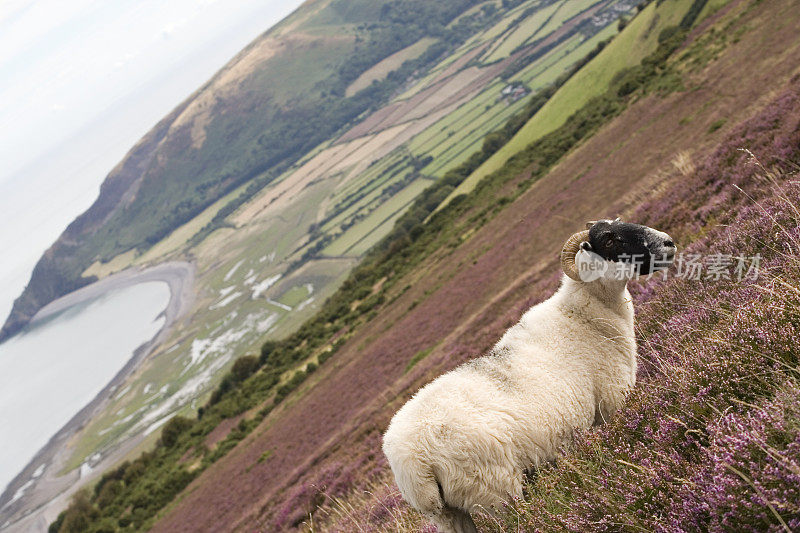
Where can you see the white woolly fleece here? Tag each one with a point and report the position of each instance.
(465, 439)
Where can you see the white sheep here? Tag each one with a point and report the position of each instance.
(465, 440)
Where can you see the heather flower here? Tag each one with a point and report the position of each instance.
(709, 440)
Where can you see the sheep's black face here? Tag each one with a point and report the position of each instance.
(646, 249)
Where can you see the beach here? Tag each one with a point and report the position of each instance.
(46, 492)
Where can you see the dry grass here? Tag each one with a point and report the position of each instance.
(118, 263)
(380, 498)
(683, 163)
(295, 181)
(197, 114)
(393, 62)
(352, 157)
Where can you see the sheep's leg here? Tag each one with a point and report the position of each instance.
(599, 417)
(609, 404)
(453, 520)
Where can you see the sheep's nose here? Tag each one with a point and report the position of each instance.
(669, 244)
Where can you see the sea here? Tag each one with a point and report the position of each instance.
(56, 366)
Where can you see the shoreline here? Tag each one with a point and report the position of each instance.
(45, 495)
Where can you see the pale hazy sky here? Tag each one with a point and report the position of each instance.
(80, 82)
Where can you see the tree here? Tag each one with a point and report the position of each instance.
(79, 515)
(173, 430)
(266, 350)
(244, 367)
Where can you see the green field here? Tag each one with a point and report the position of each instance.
(393, 62)
(566, 10)
(483, 37)
(367, 187)
(393, 207)
(576, 50)
(296, 295)
(375, 173)
(521, 34)
(372, 193)
(473, 140)
(374, 237)
(639, 39)
(453, 139)
(465, 121)
(498, 29)
(427, 141)
(561, 52)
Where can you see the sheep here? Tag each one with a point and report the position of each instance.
(466, 440)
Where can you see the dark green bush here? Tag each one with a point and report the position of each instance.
(244, 367)
(108, 493)
(174, 429)
(79, 515)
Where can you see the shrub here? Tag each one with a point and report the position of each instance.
(174, 429)
(717, 124)
(79, 515)
(419, 356)
(108, 493)
(266, 351)
(244, 367)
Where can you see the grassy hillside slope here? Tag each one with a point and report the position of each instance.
(708, 440)
(459, 302)
(271, 250)
(298, 438)
(294, 438)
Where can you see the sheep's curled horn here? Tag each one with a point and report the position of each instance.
(572, 247)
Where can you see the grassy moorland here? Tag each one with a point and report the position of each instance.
(260, 246)
(299, 429)
(710, 438)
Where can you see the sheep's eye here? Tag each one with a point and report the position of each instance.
(609, 241)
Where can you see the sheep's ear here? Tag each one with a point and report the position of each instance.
(586, 246)
(590, 224)
(616, 219)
